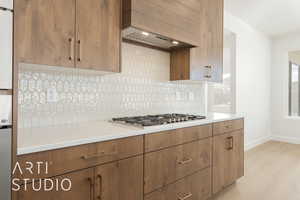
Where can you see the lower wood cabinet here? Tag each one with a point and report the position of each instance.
(198, 163)
(81, 188)
(168, 165)
(120, 180)
(194, 187)
(228, 159)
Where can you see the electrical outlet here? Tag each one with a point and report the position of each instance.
(52, 95)
(191, 96)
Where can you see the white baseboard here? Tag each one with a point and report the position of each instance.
(257, 142)
(292, 140)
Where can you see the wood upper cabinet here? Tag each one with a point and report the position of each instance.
(228, 159)
(207, 59)
(205, 62)
(121, 180)
(98, 28)
(70, 33)
(81, 188)
(45, 31)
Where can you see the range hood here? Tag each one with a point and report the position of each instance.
(153, 39)
(162, 24)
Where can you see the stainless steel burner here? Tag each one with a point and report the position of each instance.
(153, 120)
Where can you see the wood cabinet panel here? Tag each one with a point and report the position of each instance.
(74, 158)
(227, 126)
(168, 165)
(228, 159)
(121, 180)
(204, 62)
(210, 52)
(174, 19)
(45, 31)
(117, 149)
(81, 188)
(166, 139)
(98, 42)
(194, 187)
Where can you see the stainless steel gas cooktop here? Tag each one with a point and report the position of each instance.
(154, 120)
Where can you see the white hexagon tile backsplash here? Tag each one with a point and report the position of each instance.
(51, 96)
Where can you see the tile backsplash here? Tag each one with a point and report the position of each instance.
(51, 96)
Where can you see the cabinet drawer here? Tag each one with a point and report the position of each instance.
(168, 165)
(194, 187)
(73, 158)
(227, 126)
(165, 139)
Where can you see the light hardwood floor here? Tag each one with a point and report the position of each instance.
(272, 172)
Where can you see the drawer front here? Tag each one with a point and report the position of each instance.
(116, 150)
(166, 139)
(227, 126)
(168, 165)
(74, 158)
(194, 187)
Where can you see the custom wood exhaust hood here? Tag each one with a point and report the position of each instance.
(166, 24)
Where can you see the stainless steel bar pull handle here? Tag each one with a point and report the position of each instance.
(187, 196)
(230, 141)
(186, 161)
(71, 41)
(79, 51)
(99, 196)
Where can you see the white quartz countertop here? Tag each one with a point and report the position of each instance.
(32, 140)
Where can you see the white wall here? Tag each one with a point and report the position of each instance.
(284, 128)
(253, 54)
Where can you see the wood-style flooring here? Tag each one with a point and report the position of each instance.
(272, 172)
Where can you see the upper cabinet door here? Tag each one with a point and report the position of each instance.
(207, 59)
(45, 32)
(98, 34)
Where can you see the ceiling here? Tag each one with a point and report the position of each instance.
(273, 17)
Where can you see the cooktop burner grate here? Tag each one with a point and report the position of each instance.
(153, 120)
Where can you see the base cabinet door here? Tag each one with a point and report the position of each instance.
(228, 159)
(81, 187)
(121, 180)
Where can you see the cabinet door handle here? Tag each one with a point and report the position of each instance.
(91, 181)
(71, 41)
(207, 76)
(228, 126)
(183, 162)
(99, 177)
(99, 155)
(187, 196)
(79, 51)
(230, 140)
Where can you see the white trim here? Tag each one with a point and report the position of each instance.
(292, 140)
(254, 143)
